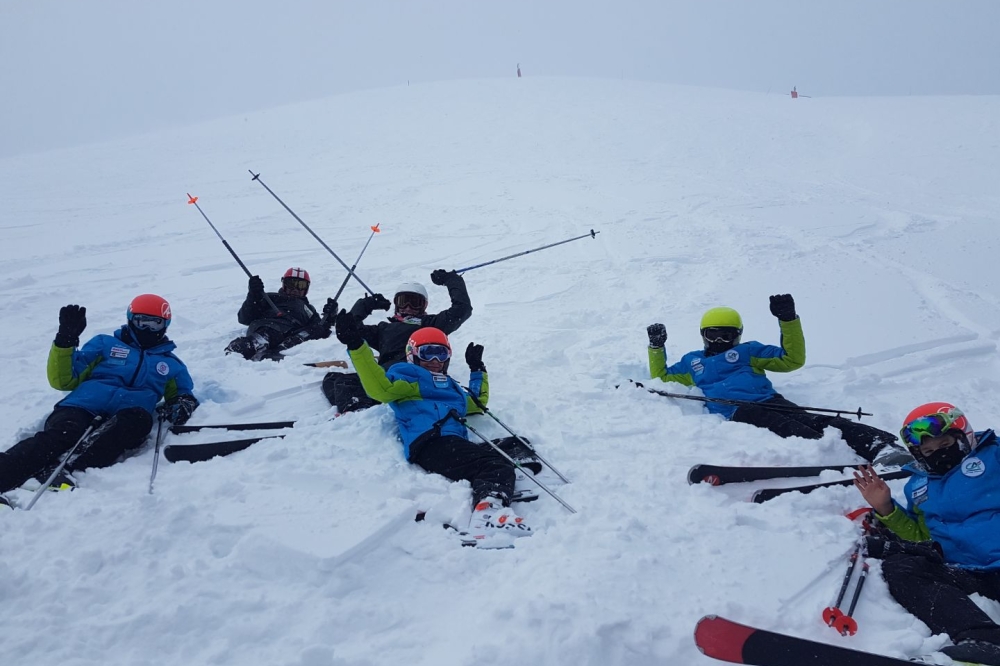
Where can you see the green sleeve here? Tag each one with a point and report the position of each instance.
(904, 526)
(483, 395)
(792, 353)
(658, 368)
(376, 384)
(60, 369)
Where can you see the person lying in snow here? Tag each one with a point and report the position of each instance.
(948, 544)
(389, 337)
(269, 332)
(422, 396)
(729, 369)
(123, 375)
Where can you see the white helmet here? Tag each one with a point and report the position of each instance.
(412, 296)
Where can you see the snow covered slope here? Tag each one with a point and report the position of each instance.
(877, 214)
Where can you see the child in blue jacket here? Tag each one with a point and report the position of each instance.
(423, 398)
(729, 369)
(948, 530)
(123, 375)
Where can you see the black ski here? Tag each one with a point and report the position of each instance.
(201, 452)
(271, 425)
(718, 475)
(766, 494)
(736, 643)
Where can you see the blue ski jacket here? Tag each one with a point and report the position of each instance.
(960, 510)
(737, 374)
(111, 373)
(418, 397)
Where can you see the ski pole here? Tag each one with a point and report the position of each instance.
(742, 403)
(156, 451)
(194, 200)
(350, 271)
(832, 613)
(527, 473)
(489, 413)
(592, 234)
(256, 177)
(846, 624)
(96, 428)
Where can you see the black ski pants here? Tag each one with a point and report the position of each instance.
(41, 453)
(938, 595)
(459, 459)
(345, 392)
(864, 439)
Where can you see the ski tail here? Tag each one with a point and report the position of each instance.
(737, 643)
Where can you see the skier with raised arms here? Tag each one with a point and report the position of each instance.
(729, 369)
(123, 375)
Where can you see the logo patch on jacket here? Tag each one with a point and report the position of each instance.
(163, 368)
(973, 467)
(732, 356)
(696, 366)
(919, 493)
(440, 380)
(120, 352)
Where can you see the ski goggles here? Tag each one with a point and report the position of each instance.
(406, 299)
(145, 322)
(932, 425)
(433, 353)
(295, 284)
(721, 334)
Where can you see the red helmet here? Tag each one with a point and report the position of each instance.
(297, 273)
(933, 420)
(295, 282)
(151, 305)
(425, 337)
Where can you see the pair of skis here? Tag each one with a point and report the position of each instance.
(206, 451)
(721, 474)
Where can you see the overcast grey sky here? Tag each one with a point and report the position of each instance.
(75, 71)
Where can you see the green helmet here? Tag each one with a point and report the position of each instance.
(726, 317)
(721, 329)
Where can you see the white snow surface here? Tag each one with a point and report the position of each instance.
(877, 214)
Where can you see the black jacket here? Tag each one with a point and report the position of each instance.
(389, 337)
(296, 314)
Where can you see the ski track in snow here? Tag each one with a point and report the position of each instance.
(874, 213)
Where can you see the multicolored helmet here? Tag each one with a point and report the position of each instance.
(933, 420)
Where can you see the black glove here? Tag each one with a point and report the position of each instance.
(329, 313)
(72, 321)
(441, 276)
(256, 287)
(178, 410)
(880, 548)
(348, 330)
(375, 302)
(783, 307)
(474, 357)
(657, 335)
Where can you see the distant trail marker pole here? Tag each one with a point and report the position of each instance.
(194, 201)
(256, 177)
(592, 234)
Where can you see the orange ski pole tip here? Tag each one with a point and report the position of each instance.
(192, 199)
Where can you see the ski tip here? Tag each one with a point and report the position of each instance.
(720, 638)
